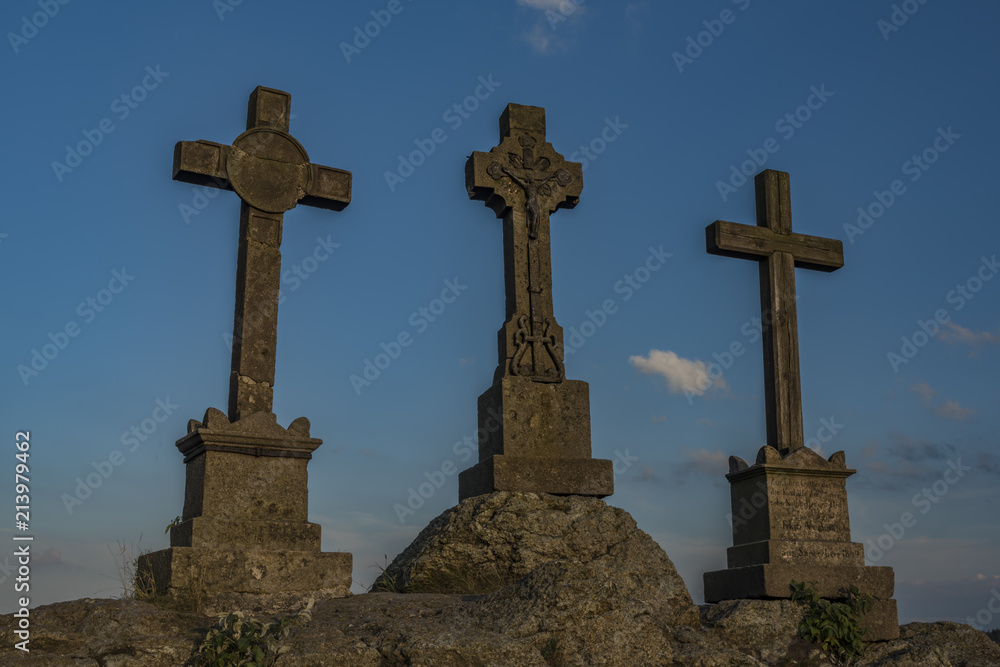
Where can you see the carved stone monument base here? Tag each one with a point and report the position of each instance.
(215, 574)
(535, 436)
(790, 523)
(245, 538)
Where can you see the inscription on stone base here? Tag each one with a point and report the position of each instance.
(790, 523)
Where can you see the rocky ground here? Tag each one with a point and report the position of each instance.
(547, 581)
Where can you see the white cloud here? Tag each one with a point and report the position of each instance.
(539, 38)
(680, 374)
(551, 30)
(961, 336)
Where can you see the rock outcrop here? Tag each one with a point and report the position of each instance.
(504, 580)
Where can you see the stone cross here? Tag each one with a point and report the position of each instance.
(271, 173)
(523, 179)
(779, 251)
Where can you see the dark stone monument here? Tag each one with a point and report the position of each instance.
(790, 518)
(245, 538)
(536, 422)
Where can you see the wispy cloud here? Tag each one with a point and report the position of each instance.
(950, 409)
(681, 375)
(923, 390)
(555, 21)
(702, 462)
(550, 5)
(904, 461)
(959, 335)
(918, 450)
(48, 557)
(539, 38)
(646, 474)
(635, 14)
(989, 462)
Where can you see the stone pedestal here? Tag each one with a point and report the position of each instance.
(535, 437)
(244, 538)
(790, 522)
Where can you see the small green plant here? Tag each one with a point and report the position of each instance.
(384, 582)
(238, 641)
(464, 580)
(834, 626)
(175, 522)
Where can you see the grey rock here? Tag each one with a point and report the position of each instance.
(103, 632)
(933, 644)
(490, 541)
(551, 617)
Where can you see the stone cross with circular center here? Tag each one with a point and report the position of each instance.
(523, 180)
(271, 173)
(779, 252)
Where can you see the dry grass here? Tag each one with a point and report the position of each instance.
(135, 585)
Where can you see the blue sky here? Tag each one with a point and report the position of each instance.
(866, 106)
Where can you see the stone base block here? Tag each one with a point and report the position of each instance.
(215, 533)
(248, 470)
(518, 417)
(772, 581)
(211, 574)
(558, 476)
(816, 552)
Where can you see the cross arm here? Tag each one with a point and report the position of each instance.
(731, 239)
(201, 163)
(481, 185)
(328, 188)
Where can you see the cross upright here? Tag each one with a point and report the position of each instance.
(271, 173)
(779, 251)
(523, 179)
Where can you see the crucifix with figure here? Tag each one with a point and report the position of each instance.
(271, 173)
(779, 251)
(536, 423)
(523, 180)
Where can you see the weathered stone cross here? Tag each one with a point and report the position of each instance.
(271, 173)
(779, 251)
(523, 179)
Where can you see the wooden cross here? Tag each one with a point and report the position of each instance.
(271, 173)
(779, 251)
(523, 179)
